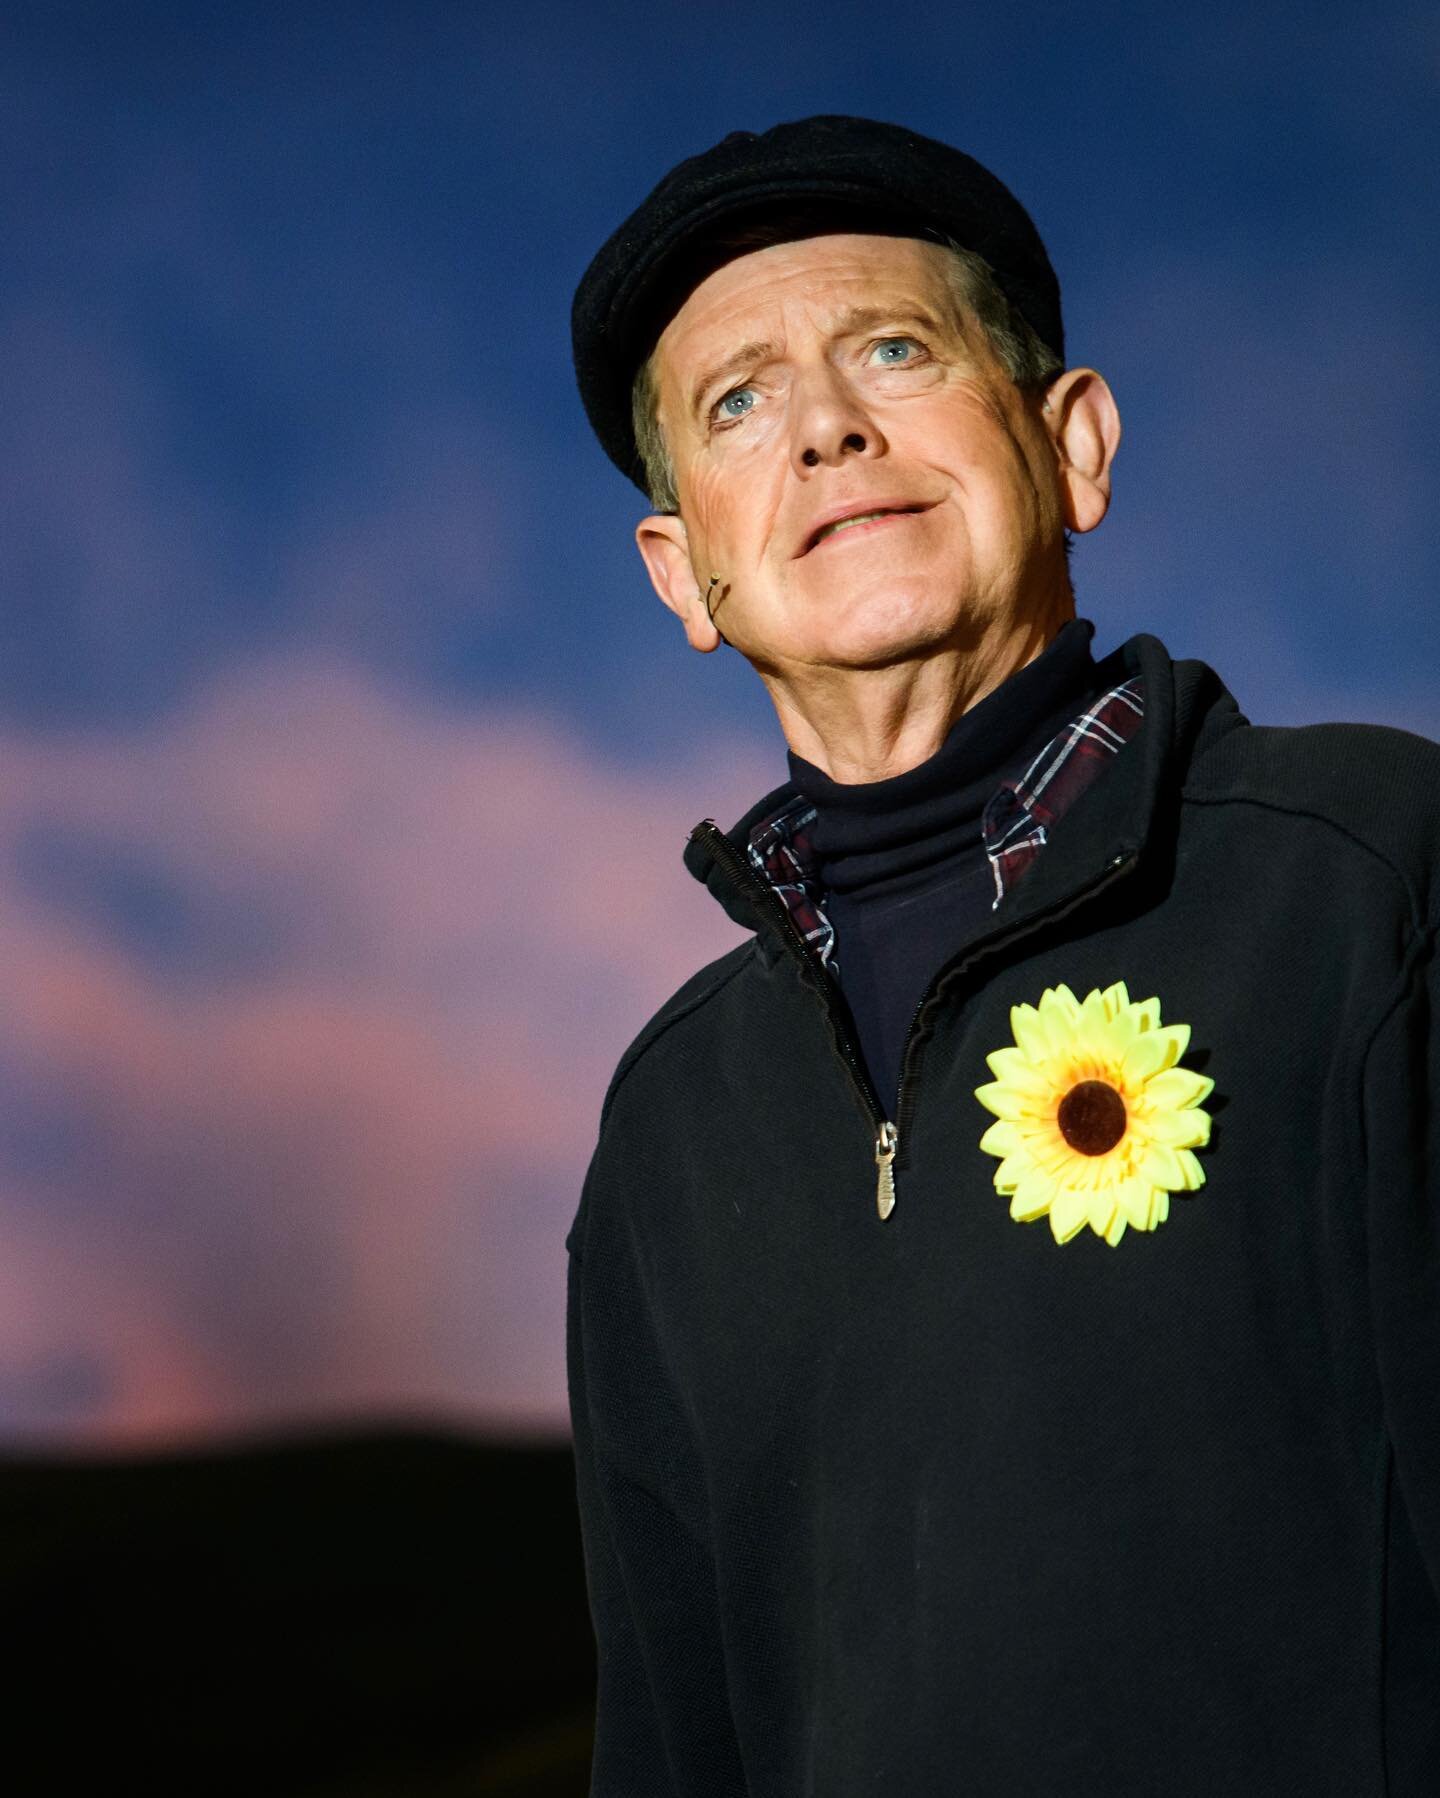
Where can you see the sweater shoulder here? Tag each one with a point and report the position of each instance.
(683, 1006)
(1375, 784)
(686, 1009)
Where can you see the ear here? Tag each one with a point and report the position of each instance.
(664, 545)
(1084, 421)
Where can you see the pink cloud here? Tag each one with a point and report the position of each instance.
(324, 1160)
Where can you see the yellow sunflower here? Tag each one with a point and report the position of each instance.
(1097, 1125)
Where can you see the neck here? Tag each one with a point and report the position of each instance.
(867, 724)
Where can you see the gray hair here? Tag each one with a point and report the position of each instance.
(1030, 364)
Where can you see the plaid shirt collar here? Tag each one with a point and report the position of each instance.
(1014, 827)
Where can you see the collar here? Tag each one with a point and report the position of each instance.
(1184, 706)
(880, 830)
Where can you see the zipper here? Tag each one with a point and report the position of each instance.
(738, 866)
(885, 1143)
(887, 1134)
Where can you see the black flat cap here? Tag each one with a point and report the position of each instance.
(845, 173)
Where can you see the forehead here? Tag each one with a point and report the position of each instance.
(811, 281)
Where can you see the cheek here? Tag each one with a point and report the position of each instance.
(1000, 477)
(727, 510)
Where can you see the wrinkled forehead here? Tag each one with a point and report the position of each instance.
(827, 284)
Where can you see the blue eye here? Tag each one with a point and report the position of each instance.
(729, 406)
(905, 344)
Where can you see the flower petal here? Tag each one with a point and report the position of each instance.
(1011, 1068)
(1110, 1042)
(1178, 1087)
(1093, 1015)
(1162, 1166)
(1002, 1138)
(1053, 1155)
(1154, 1050)
(1116, 1228)
(1000, 1098)
(1029, 1032)
(1061, 1000)
(1186, 1129)
(1067, 1213)
(1033, 1198)
(1013, 1169)
(1143, 1059)
(1132, 1196)
(1194, 1173)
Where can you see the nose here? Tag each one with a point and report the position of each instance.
(830, 423)
(812, 458)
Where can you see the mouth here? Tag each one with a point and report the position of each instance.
(855, 521)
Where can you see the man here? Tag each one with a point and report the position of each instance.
(1004, 1324)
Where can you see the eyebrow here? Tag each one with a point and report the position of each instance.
(857, 318)
(747, 356)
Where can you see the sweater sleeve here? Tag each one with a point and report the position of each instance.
(1402, 1136)
(663, 1722)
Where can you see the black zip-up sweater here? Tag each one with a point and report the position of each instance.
(943, 1505)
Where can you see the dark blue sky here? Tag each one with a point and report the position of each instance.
(280, 276)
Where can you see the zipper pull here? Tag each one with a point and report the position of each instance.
(885, 1143)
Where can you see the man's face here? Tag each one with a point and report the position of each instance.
(828, 377)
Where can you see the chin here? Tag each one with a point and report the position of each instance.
(890, 624)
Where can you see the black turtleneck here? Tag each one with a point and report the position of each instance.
(907, 882)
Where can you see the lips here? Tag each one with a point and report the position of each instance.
(850, 516)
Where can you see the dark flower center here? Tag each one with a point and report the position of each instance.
(1092, 1117)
